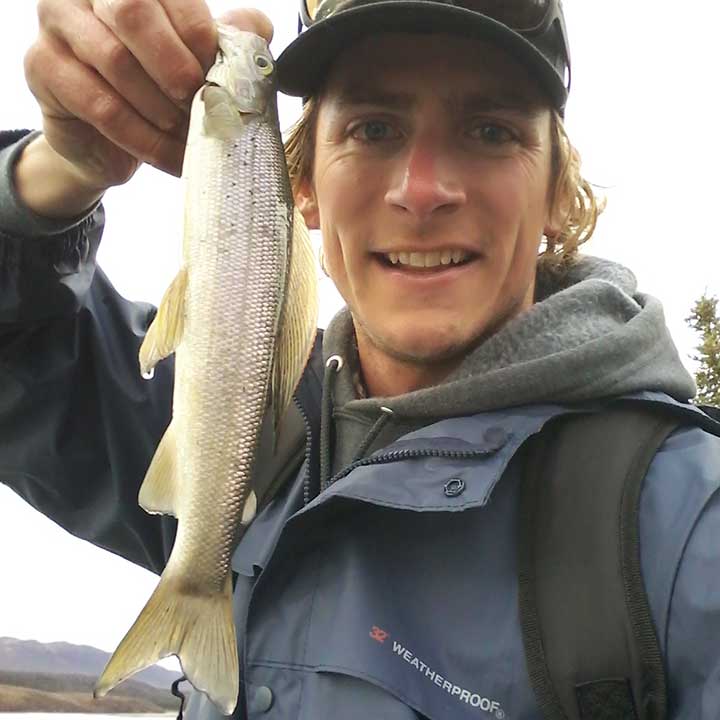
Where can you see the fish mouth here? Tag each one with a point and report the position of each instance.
(245, 101)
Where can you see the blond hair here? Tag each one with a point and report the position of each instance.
(570, 193)
(573, 196)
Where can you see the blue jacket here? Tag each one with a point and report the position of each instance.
(382, 597)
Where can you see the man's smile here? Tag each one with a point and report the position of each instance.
(427, 259)
(425, 265)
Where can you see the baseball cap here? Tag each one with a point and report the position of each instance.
(533, 31)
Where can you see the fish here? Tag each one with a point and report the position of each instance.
(241, 317)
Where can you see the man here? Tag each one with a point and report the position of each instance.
(378, 580)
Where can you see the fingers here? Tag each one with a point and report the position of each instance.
(97, 47)
(66, 88)
(250, 20)
(127, 69)
(145, 29)
(195, 27)
(175, 41)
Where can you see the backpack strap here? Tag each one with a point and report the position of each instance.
(590, 643)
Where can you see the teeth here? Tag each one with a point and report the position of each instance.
(432, 259)
(417, 259)
(429, 259)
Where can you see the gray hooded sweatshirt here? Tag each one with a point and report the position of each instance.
(589, 335)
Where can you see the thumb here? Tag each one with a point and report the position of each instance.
(249, 20)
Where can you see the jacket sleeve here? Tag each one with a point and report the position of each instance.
(693, 639)
(78, 424)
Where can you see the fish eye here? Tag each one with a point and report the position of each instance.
(264, 64)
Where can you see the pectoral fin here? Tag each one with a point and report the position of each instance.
(298, 320)
(166, 330)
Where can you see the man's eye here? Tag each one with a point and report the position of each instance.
(492, 134)
(373, 131)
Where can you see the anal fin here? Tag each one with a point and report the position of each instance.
(159, 490)
(249, 509)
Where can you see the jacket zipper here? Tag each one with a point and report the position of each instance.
(242, 700)
(308, 447)
(396, 455)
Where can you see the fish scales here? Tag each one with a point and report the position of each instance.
(236, 281)
(241, 316)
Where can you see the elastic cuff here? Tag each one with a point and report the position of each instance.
(15, 217)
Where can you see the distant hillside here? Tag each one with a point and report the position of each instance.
(55, 692)
(60, 657)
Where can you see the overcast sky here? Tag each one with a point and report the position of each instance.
(643, 113)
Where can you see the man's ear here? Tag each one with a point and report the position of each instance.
(307, 204)
(558, 214)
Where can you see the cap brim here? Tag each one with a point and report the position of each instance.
(302, 66)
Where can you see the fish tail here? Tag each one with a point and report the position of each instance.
(198, 628)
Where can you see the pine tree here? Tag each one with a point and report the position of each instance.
(704, 320)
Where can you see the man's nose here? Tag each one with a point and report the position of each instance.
(426, 183)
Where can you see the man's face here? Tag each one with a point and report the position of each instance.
(431, 188)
